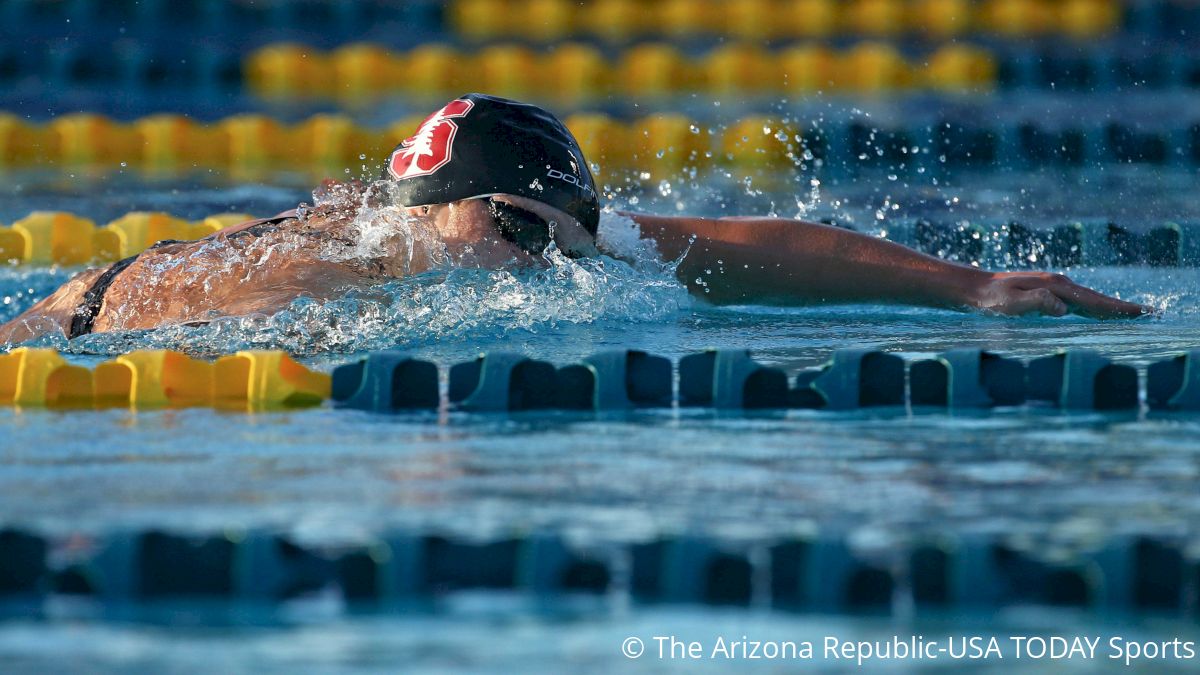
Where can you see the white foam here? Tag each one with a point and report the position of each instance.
(444, 302)
(620, 236)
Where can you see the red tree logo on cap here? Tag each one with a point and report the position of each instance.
(431, 147)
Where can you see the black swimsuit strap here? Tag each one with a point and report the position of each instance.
(85, 314)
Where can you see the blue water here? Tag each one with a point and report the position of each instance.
(888, 477)
(477, 634)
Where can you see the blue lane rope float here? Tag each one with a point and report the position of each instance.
(726, 379)
(1082, 379)
(820, 573)
(542, 20)
(500, 381)
(855, 378)
(1091, 243)
(1174, 383)
(967, 378)
(573, 73)
(386, 381)
(617, 380)
(667, 145)
(194, 22)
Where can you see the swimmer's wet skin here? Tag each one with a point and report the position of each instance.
(496, 181)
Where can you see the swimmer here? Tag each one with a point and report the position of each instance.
(493, 183)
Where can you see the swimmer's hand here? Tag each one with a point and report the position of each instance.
(1020, 293)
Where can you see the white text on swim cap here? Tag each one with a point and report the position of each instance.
(572, 179)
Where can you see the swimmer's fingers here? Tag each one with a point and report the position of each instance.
(1055, 295)
(1087, 302)
(1035, 301)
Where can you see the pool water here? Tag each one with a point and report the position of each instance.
(889, 477)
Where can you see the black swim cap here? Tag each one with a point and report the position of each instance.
(479, 145)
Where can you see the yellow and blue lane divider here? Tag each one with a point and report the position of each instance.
(63, 238)
(663, 145)
(611, 381)
(629, 20)
(1107, 31)
(576, 71)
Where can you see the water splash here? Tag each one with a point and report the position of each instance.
(441, 303)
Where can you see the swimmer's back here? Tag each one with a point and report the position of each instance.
(257, 267)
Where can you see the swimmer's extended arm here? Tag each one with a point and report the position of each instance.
(788, 261)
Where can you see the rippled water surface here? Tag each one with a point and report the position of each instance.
(355, 472)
